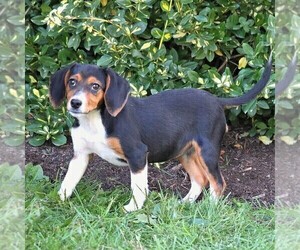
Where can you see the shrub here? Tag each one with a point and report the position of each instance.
(220, 46)
(12, 123)
(287, 104)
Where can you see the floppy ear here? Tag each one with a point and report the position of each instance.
(116, 93)
(57, 88)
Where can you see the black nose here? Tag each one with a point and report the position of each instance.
(75, 103)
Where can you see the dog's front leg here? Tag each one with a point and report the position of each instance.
(76, 170)
(139, 187)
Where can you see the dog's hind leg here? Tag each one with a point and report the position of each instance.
(208, 159)
(197, 175)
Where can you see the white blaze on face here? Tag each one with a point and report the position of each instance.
(80, 96)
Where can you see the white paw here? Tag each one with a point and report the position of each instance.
(189, 199)
(131, 206)
(64, 192)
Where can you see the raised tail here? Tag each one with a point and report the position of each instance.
(288, 77)
(252, 93)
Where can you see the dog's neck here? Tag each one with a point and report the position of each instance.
(89, 121)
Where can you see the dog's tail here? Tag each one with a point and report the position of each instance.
(252, 93)
(288, 77)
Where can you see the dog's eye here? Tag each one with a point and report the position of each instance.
(95, 86)
(72, 82)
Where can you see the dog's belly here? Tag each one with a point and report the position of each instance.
(108, 154)
(87, 143)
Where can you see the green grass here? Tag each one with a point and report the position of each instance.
(288, 228)
(12, 211)
(94, 219)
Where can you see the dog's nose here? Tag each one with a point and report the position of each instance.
(75, 103)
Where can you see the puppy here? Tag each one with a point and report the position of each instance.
(184, 124)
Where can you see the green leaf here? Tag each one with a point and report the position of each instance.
(139, 28)
(5, 50)
(38, 20)
(186, 1)
(156, 33)
(248, 49)
(74, 42)
(285, 104)
(37, 140)
(34, 173)
(14, 140)
(193, 75)
(59, 140)
(263, 104)
(16, 20)
(114, 31)
(261, 125)
(210, 56)
(250, 108)
(10, 173)
(105, 60)
(201, 18)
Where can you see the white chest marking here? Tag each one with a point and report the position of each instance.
(90, 137)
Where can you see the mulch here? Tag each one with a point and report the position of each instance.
(247, 164)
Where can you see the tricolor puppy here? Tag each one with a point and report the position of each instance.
(184, 124)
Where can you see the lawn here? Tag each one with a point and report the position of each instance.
(94, 219)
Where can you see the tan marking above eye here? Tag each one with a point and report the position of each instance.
(92, 79)
(77, 77)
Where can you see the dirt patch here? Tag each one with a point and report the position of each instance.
(247, 165)
(287, 174)
(12, 155)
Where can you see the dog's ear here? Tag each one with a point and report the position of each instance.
(57, 88)
(116, 92)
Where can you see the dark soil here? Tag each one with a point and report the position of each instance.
(287, 174)
(247, 165)
(12, 155)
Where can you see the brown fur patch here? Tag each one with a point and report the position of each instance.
(94, 101)
(115, 145)
(195, 171)
(92, 79)
(195, 166)
(69, 92)
(77, 77)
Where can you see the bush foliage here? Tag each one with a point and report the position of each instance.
(287, 41)
(220, 46)
(12, 69)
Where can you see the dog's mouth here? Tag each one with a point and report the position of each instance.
(77, 112)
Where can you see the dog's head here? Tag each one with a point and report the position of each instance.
(87, 87)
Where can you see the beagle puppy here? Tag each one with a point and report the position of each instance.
(184, 124)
